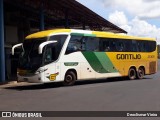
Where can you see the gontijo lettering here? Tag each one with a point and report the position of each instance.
(128, 56)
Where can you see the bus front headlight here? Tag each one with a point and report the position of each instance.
(40, 71)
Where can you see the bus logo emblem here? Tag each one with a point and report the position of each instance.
(52, 77)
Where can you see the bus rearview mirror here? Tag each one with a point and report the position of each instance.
(42, 45)
(15, 46)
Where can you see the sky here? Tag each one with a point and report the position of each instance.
(138, 17)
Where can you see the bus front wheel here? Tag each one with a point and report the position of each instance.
(132, 73)
(140, 73)
(70, 78)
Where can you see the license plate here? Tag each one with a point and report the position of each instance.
(22, 72)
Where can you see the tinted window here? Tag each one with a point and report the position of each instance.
(105, 45)
(120, 45)
(92, 44)
(95, 44)
(60, 40)
(30, 58)
(124, 45)
(52, 51)
(134, 47)
(75, 44)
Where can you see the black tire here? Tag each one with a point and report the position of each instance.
(69, 79)
(132, 73)
(140, 73)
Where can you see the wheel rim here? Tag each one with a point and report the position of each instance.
(132, 74)
(140, 73)
(69, 78)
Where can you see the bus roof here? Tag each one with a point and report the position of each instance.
(85, 33)
(46, 33)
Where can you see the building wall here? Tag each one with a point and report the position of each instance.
(11, 38)
(11, 35)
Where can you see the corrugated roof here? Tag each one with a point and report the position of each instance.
(57, 11)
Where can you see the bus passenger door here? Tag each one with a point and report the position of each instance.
(51, 73)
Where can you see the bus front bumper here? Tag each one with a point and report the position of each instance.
(31, 79)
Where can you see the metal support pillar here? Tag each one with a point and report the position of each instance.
(42, 25)
(2, 49)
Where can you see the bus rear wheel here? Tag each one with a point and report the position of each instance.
(70, 78)
(132, 73)
(140, 73)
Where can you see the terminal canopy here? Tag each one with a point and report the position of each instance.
(57, 14)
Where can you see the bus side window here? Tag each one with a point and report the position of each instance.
(141, 46)
(120, 46)
(127, 44)
(92, 44)
(74, 45)
(113, 45)
(50, 54)
(106, 46)
(146, 47)
(152, 45)
(54, 49)
(134, 46)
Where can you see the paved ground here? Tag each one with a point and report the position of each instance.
(95, 95)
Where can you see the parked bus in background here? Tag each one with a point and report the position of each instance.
(68, 55)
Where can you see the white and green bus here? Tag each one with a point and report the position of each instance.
(68, 55)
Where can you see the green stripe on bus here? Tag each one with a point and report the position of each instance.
(100, 62)
(106, 62)
(94, 62)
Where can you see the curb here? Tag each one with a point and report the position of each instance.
(12, 84)
(8, 82)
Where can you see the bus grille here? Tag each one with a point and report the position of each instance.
(152, 67)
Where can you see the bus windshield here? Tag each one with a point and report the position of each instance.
(29, 58)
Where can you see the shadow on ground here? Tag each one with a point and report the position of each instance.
(58, 85)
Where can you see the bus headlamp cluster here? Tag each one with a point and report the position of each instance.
(40, 71)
